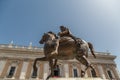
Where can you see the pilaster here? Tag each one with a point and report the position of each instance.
(17, 75)
(41, 70)
(5, 69)
(29, 68)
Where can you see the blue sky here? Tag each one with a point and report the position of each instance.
(96, 21)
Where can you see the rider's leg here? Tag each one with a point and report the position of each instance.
(56, 45)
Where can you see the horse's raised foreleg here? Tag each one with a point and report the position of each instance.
(34, 64)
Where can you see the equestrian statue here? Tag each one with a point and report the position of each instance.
(65, 46)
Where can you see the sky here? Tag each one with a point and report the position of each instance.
(95, 21)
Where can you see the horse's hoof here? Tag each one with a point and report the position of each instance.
(48, 77)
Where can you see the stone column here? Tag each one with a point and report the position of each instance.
(102, 75)
(4, 72)
(70, 70)
(29, 68)
(24, 70)
(2, 65)
(79, 70)
(66, 68)
(96, 70)
(61, 66)
(88, 73)
(46, 71)
(41, 71)
(115, 72)
(17, 75)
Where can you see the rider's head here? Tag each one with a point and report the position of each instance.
(62, 28)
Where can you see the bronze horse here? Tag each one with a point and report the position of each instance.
(67, 49)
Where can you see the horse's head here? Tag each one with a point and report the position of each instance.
(44, 38)
(47, 36)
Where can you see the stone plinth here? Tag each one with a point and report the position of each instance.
(76, 79)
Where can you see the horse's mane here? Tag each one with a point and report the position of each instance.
(53, 34)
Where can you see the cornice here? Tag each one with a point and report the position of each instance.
(20, 48)
(33, 52)
(20, 51)
(102, 55)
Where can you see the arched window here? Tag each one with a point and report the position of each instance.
(93, 73)
(11, 72)
(12, 69)
(75, 72)
(109, 74)
(109, 71)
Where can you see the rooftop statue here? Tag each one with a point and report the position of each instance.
(65, 46)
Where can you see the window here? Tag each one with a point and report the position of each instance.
(11, 72)
(110, 74)
(57, 71)
(93, 73)
(75, 72)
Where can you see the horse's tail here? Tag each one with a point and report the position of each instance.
(91, 49)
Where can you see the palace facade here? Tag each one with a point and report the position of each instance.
(16, 64)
